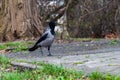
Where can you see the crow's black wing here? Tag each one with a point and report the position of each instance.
(43, 37)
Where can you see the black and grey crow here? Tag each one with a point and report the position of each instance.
(46, 39)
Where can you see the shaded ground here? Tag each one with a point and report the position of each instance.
(102, 55)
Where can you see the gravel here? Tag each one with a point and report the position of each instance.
(73, 48)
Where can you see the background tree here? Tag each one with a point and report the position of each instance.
(93, 18)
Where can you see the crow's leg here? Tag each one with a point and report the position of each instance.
(41, 51)
(49, 51)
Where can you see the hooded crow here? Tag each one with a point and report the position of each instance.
(46, 39)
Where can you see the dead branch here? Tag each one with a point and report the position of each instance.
(60, 11)
(54, 11)
(25, 65)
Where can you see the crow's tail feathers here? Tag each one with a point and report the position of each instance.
(33, 48)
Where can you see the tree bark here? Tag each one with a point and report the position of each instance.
(19, 18)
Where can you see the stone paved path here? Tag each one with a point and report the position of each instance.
(103, 62)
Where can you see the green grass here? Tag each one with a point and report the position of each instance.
(50, 72)
(39, 75)
(99, 76)
(4, 60)
(78, 63)
(113, 42)
(16, 46)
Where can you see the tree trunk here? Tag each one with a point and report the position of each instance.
(18, 19)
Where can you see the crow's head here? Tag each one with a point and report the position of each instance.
(52, 24)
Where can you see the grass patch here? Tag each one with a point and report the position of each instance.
(39, 75)
(99, 76)
(50, 72)
(60, 72)
(15, 46)
(113, 42)
(4, 60)
(4, 63)
(78, 63)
